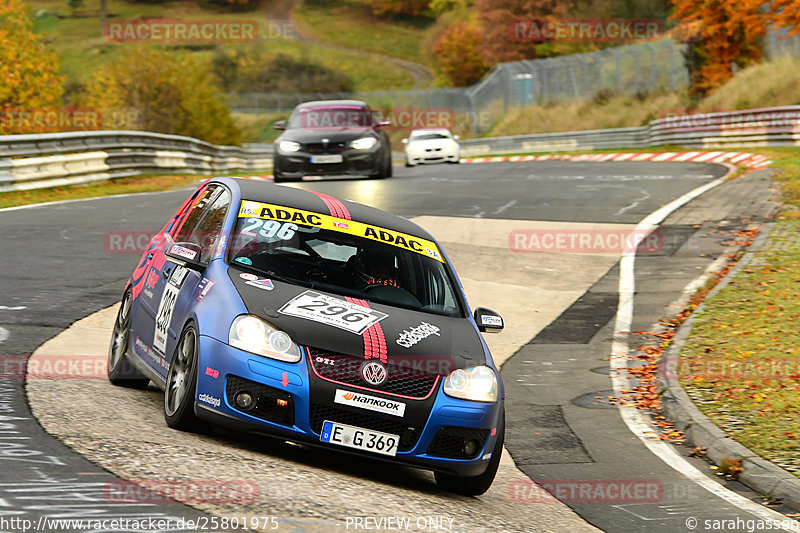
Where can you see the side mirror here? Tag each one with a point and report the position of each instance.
(280, 125)
(456, 137)
(488, 321)
(404, 141)
(188, 253)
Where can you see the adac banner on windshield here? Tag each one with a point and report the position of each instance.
(405, 241)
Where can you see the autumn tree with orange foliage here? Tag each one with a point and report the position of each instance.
(496, 18)
(720, 34)
(29, 77)
(458, 57)
(786, 14)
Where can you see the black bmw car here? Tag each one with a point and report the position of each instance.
(332, 137)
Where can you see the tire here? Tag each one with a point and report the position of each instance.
(407, 163)
(120, 370)
(386, 169)
(280, 178)
(475, 485)
(182, 385)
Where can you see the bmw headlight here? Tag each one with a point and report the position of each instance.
(288, 146)
(364, 143)
(254, 335)
(478, 384)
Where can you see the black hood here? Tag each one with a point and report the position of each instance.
(334, 135)
(450, 342)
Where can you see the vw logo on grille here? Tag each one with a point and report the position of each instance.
(374, 373)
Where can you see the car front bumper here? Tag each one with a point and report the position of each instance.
(441, 156)
(354, 162)
(223, 370)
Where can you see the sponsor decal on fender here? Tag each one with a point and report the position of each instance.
(211, 400)
(204, 287)
(371, 403)
(410, 337)
(405, 241)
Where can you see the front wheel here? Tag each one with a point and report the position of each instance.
(475, 485)
(120, 371)
(182, 384)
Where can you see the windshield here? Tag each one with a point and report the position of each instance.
(427, 136)
(343, 257)
(331, 117)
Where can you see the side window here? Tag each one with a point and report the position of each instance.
(195, 213)
(207, 233)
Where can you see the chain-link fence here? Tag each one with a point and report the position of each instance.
(630, 69)
(777, 44)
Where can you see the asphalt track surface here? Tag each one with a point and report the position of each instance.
(56, 269)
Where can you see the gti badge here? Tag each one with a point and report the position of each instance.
(374, 373)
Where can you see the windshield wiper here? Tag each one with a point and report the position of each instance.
(270, 273)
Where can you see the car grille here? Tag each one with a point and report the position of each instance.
(323, 148)
(273, 405)
(408, 435)
(346, 369)
(450, 441)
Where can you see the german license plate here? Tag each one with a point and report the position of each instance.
(359, 438)
(326, 158)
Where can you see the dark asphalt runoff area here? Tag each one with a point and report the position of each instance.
(57, 268)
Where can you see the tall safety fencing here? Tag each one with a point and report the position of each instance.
(630, 69)
(775, 126)
(54, 159)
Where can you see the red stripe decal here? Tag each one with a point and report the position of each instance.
(336, 207)
(374, 339)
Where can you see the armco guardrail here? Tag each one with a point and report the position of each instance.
(32, 161)
(776, 126)
(51, 159)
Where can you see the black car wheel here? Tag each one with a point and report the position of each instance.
(386, 168)
(280, 178)
(120, 371)
(182, 384)
(475, 485)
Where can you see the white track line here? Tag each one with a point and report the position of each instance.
(634, 419)
(44, 204)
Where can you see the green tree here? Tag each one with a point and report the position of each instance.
(28, 71)
(173, 93)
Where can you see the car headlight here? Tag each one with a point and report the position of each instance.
(288, 146)
(364, 143)
(254, 335)
(478, 384)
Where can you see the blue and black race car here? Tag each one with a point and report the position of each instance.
(293, 314)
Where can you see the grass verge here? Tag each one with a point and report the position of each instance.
(741, 363)
(350, 23)
(136, 184)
